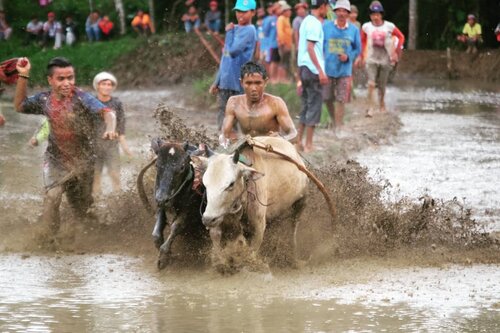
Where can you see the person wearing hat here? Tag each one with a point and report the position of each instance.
(379, 53)
(342, 46)
(239, 47)
(353, 16)
(285, 41)
(107, 152)
(70, 155)
(52, 30)
(300, 14)
(311, 63)
(471, 34)
(213, 18)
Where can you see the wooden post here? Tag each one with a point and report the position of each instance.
(449, 63)
(413, 25)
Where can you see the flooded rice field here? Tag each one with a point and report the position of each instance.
(107, 281)
(449, 146)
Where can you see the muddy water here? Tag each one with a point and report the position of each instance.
(61, 292)
(449, 146)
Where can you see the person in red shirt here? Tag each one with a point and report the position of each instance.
(106, 26)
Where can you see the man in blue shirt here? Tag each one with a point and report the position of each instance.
(341, 47)
(271, 35)
(239, 48)
(311, 63)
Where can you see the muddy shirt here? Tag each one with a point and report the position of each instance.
(378, 41)
(72, 122)
(103, 145)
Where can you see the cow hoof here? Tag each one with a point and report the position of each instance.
(158, 240)
(164, 259)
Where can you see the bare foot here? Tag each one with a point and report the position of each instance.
(369, 113)
(383, 109)
(299, 146)
(308, 149)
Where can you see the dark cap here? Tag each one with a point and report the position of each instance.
(318, 3)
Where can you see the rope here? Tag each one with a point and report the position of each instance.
(268, 148)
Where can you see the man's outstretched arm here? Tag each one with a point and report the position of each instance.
(23, 68)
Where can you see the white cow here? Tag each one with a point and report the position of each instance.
(272, 187)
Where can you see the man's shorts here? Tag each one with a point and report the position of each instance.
(275, 55)
(78, 188)
(338, 90)
(312, 102)
(108, 156)
(378, 74)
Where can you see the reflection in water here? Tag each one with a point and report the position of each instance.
(81, 293)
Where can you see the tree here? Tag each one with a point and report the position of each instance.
(151, 6)
(413, 25)
(121, 15)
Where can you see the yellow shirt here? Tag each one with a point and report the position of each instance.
(284, 31)
(472, 31)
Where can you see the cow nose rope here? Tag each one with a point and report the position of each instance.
(270, 149)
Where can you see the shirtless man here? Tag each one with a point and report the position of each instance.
(257, 113)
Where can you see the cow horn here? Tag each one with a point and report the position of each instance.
(140, 185)
(236, 157)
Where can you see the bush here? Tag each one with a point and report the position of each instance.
(87, 58)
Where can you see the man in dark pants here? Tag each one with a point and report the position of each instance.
(311, 63)
(69, 158)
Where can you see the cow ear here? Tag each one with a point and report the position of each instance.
(156, 143)
(186, 146)
(199, 161)
(209, 151)
(236, 157)
(251, 173)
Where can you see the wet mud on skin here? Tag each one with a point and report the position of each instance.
(99, 276)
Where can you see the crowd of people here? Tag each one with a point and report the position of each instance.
(319, 52)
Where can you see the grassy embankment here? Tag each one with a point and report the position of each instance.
(88, 58)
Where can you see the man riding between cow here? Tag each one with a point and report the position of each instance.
(256, 112)
(69, 158)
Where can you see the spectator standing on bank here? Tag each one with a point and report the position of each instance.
(5, 29)
(213, 18)
(265, 49)
(239, 48)
(342, 46)
(471, 34)
(52, 30)
(106, 26)
(92, 27)
(497, 32)
(270, 31)
(379, 53)
(353, 16)
(34, 30)
(285, 41)
(142, 24)
(301, 13)
(311, 63)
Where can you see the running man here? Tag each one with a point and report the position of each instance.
(69, 158)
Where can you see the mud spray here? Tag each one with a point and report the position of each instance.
(432, 231)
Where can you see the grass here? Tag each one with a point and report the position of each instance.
(87, 58)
